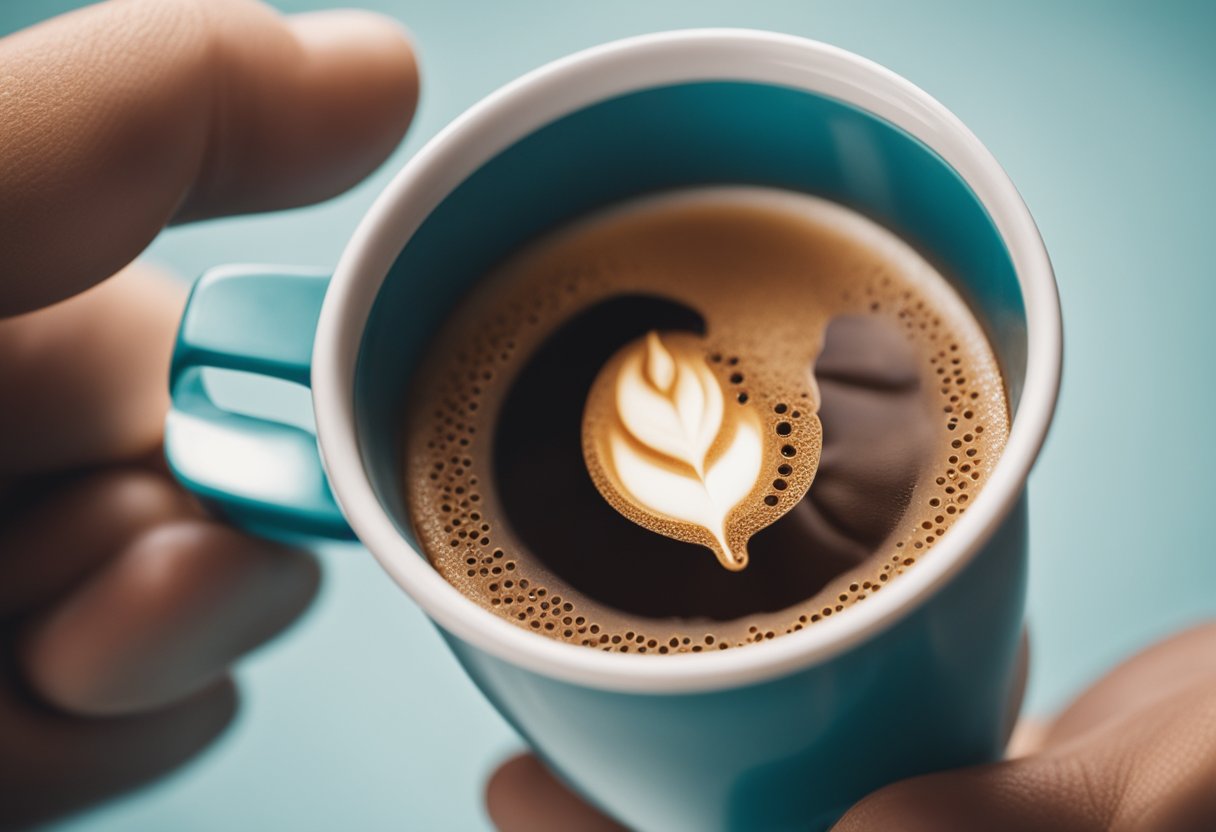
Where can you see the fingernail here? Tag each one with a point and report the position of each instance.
(347, 28)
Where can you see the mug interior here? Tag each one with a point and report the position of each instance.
(658, 139)
(647, 114)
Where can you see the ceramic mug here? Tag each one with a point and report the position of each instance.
(780, 735)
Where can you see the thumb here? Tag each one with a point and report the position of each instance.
(1136, 752)
(123, 116)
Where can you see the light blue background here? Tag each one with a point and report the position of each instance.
(1103, 115)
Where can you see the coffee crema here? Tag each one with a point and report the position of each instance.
(857, 396)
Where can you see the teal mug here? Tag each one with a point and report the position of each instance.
(780, 735)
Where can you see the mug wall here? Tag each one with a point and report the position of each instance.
(699, 133)
(935, 691)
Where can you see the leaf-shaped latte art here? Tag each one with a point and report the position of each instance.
(658, 427)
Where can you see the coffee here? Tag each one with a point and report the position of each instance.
(821, 397)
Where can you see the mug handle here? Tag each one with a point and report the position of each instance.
(259, 474)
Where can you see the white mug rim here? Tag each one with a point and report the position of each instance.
(568, 84)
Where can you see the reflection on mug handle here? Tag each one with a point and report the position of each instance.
(262, 475)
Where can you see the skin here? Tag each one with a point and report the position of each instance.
(122, 604)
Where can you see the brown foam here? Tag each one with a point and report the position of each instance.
(767, 272)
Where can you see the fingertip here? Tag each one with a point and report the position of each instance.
(507, 782)
(522, 796)
(372, 36)
(347, 89)
(58, 539)
(165, 618)
(178, 111)
(371, 61)
(358, 29)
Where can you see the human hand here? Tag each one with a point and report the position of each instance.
(1134, 753)
(121, 603)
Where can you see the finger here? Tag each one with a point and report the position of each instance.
(1151, 769)
(1137, 751)
(61, 538)
(92, 372)
(52, 764)
(164, 618)
(1178, 663)
(1020, 796)
(123, 115)
(522, 796)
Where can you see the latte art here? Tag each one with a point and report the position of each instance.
(666, 450)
